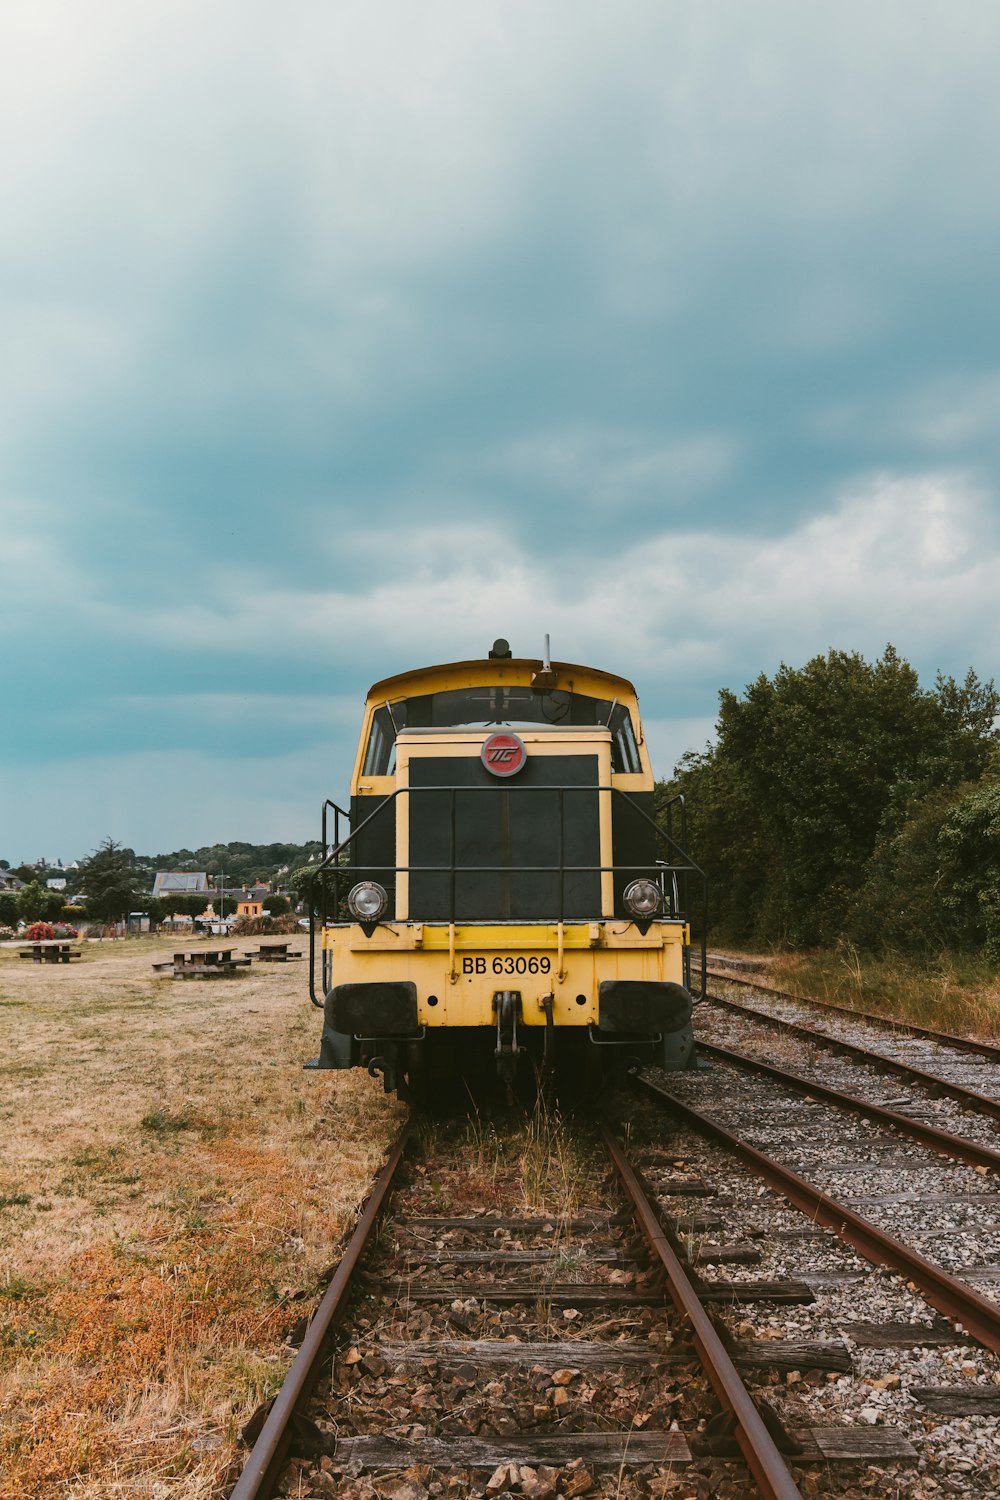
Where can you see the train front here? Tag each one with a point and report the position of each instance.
(500, 896)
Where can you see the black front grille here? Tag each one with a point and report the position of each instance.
(499, 835)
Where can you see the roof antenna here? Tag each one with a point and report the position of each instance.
(546, 678)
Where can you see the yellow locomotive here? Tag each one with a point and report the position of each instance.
(500, 894)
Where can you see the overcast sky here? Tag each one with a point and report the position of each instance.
(339, 338)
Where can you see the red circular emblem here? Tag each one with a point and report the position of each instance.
(504, 754)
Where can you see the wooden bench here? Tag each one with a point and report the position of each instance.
(51, 952)
(272, 953)
(203, 963)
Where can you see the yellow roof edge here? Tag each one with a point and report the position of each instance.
(387, 685)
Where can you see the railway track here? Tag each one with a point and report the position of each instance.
(520, 1322)
(974, 1046)
(865, 1173)
(938, 1083)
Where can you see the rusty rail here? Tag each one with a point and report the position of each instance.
(956, 1146)
(267, 1457)
(756, 1443)
(945, 1038)
(952, 1297)
(931, 1081)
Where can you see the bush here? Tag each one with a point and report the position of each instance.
(266, 926)
(36, 903)
(40, 932)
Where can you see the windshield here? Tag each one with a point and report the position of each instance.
(490, 707)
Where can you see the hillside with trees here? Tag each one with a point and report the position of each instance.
(241, 863)
(843, 799)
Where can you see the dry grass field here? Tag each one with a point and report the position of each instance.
(947, 994)
(172, 1185)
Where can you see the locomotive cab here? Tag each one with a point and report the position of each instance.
(499, 893)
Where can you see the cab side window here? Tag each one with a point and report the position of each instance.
(624, 750)
(380, 757)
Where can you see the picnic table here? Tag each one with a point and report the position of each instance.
(203, 963)
(51, 951)
(272, 953)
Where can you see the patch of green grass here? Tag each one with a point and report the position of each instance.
(95, 1160)
(17, 1338)
(174, 1122)
(169, 1122)
(19, 1288)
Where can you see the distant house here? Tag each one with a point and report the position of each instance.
(251, 901)
(9, 882)
(180, 883)
(57, 883)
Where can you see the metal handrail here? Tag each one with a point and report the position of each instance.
(685, 868)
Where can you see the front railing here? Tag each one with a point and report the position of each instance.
(340, 869)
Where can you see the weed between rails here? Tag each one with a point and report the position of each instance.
(513, 1160)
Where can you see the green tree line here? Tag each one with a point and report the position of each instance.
(843, 799)
(113, 883)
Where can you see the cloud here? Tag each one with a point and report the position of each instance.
(351, 335)
(907, 557)
(618, 470)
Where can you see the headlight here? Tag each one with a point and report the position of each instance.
(367, 901)
(642, 897)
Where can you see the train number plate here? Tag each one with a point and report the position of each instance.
(504, 964)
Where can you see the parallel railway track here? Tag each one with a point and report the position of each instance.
(968, 1044)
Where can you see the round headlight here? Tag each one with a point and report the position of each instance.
(643, 898)
(367, 901)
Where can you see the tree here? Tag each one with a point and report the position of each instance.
(35, 903)
(969, 844)
(8, 909)
(108, 881)
(812, 767)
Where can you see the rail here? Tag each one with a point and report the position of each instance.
(263, 1466)
(891, 1023)
(932, 1136)
(756, 1443)
(933, 1082)
(952, 1297)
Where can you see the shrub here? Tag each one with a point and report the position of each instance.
(35, 903)
(265, 926)
(40, 932)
